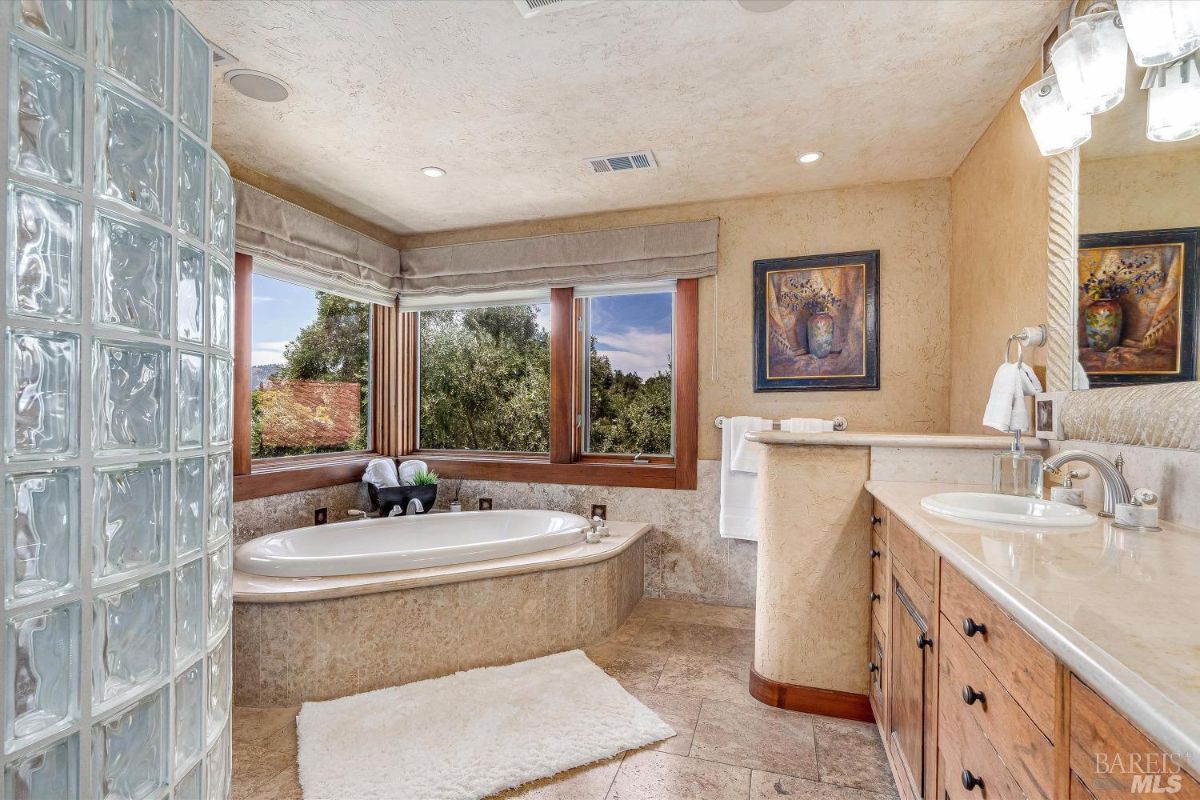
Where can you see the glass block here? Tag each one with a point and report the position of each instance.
(130, 518)
(193, 191)
(220, 496)
(129, 640)
(131, 273)
(195, 79)
(132, 143)
(189, 294)
(222, 207)
(189, 610)
(41, 541)
(220, 400)
(189, 715)
(43, 389)
(189, 400)
(57, 20)
(129, 751)
(217, 768)
(220, 589)
(50, 772)
(43, 254)
(220, 684)
(41, 679)
(189, 505)
(129, 397)
(133, 40)
(221, 288)
(45, 132)
(189, 787)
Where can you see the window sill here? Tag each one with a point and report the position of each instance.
(271, 476)
(539, 469)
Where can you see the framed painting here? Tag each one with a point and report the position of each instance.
(816, 322)
(1137, 306)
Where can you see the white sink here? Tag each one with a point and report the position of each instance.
(1007, 509)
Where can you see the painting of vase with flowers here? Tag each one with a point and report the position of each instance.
(1137, 306)
(817, 322)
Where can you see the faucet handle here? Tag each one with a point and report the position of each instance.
(1145, 497)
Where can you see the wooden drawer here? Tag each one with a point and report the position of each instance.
(1026, 753)
(918, 558)
(962, 747)
(879, 579)
(1114, 759)
(879, 519)
(1079, 790)
(1025, 668)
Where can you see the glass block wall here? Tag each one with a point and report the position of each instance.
(116, 409)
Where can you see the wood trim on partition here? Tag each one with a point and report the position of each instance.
(394, 376)
(562, 376)
(267, 480)
(687, 379)
(243, 285)
(826, 702)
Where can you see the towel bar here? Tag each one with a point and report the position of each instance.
(839, 423)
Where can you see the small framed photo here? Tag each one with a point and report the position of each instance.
(1047, 415)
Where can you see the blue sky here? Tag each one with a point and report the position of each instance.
(633, 330)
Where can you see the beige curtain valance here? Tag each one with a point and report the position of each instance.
(651, 252)
(293, 243)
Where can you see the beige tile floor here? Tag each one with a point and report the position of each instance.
(690, 663)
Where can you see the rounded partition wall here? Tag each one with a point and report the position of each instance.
(117, 474)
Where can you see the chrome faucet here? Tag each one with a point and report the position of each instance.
(1116, 489)
(414, 507)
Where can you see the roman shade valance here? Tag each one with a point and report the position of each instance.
(669, 251)
(295, 244)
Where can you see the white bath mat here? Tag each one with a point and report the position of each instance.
(470, 734)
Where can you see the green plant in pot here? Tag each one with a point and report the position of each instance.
(816, 302)
(1104, 317)
(422, 489)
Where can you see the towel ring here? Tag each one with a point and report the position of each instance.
(1008, 351)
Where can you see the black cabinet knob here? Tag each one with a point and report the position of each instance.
(924, 641)
(971, 627)
(874, 596)
(971, 782)
(971, 696)
(876, 520)
(872, 666)
(873, 553)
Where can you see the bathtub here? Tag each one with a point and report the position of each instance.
(402, 543)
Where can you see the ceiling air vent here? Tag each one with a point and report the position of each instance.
(623, 162)
(531, 8)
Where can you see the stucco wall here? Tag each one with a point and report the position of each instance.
(998, 212)
(1140, 193)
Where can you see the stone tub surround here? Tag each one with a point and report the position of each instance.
(288, 653)
(1116, 607)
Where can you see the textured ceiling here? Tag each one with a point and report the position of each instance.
(890, 90)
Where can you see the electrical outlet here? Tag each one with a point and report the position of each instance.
(485, 504)
(599, 510)
(321, 516)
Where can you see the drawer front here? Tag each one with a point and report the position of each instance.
(1079, 790)
(1025, 668)
(917, 557)
(1024, 750)
(879, 579)
(962, 748)
(879, 519)
(1114, 759)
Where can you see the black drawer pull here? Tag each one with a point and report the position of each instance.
(873, 553)
(872, 666)
(971, 627)
(924, 641)
(971, 782)
(874, 596)
(876, 520)
(971, 696)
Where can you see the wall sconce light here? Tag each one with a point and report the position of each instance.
(1056, 128)
(1089, 61)
(1160, 31)
(1173, 108)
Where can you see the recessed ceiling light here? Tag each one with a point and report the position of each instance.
(810, 157)
(432, 172)
(257, 85)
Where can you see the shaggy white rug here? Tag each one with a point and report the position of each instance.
(470, 734)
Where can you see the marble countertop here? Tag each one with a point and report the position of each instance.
(1120, 608)
(248, 588)
(857, 439)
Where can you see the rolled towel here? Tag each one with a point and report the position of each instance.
(1006, 409)
(806, 425)
(382, 473)
(409, 469)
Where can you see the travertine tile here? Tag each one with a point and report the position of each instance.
(637, 670)
(694, 613)
(677, 711)
(756, 738)
(589, 782)
(649, 775)
(684, 638)
(850, 754)
(284, 786)
(254, 766)
(704, 676)
(770, 786)
(266, 727)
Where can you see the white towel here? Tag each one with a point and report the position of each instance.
(806, 425)
(739, 489)
(382, 473)
(745, 455)
(1006, 409)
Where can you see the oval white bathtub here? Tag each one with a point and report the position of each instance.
(399, 543)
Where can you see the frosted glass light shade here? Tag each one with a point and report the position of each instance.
(1089, 61)
(1173, 108)
(1055, 127)
(1160, 31)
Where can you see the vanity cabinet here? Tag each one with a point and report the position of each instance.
(971, 705)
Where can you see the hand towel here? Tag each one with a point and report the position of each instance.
(738, 518)
(1006, 409)
(745, 455)
(806, 425)
(382, 473)
(408, 469)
